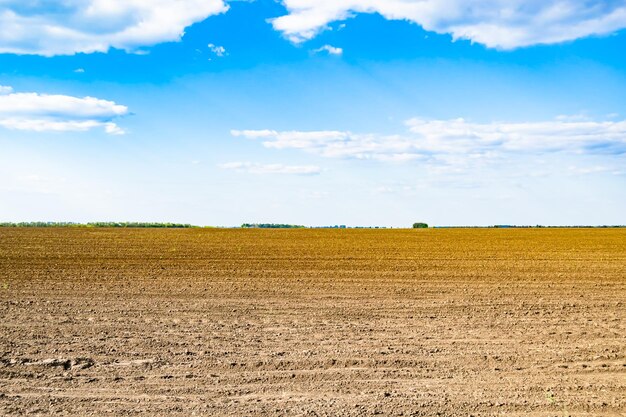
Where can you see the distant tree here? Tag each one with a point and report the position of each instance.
(420, 226)
(271, 226)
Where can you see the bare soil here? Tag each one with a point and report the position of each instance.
(313, 322)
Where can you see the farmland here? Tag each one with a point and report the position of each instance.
(513, 322)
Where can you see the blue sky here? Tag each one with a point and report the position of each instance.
(314, 112)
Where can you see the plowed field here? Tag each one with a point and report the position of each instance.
(514, 322)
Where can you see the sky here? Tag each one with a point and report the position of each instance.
(314, 112)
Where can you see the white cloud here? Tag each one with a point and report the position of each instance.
(588, 170)
(454, 142)
(461, 136)
(72, 26)
(44, 125)
(63, 28)
(47, 112)
(79, 70)
(504, 24)
(255, 168)
(219, 51)
(331, 50)
(4, 89)
(594, 170)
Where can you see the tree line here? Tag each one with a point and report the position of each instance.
(271, 226)
(99, 224)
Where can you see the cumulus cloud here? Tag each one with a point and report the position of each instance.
(329, 49)
(54, 112)
(63, 28)
(255, 168)
(217, 50)
(43, 125)
(504, 24)
(72, 26)
(454, 142)
(5, 89)
(557, 135)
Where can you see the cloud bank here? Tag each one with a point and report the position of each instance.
(64, 28)
(51, 28)
(503, 24)
(46, 112)
(454, 141)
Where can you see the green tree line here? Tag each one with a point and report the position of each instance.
(99, 224)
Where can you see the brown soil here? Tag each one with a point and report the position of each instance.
(313, 322)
